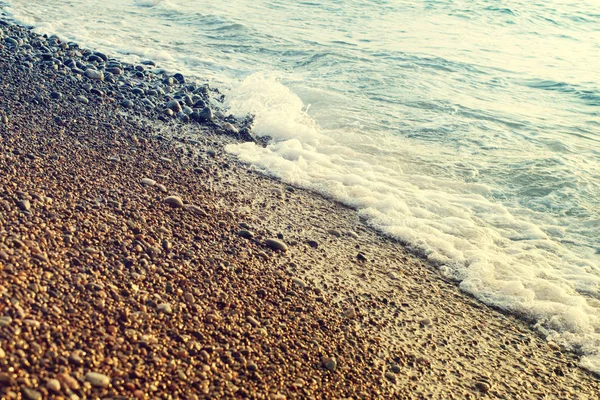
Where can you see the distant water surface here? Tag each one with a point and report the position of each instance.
(468, 130)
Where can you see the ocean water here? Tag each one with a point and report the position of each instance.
(468, 130)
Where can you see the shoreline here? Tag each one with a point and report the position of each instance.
(101, 276)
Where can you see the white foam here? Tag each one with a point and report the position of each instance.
(421, 192)
(497, 254)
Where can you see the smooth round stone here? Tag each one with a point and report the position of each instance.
(174, 106)
(148, 182)
(53, 385)
(180, 78)
(127, 103)
(11, 42)
(55, 95)
(230, 128)
(483, 387)
(253, 321)
(276, 244)
(83, 99)
(31, 394)
(352, 234)
(97, 379)
(330, 363)
(93, 74)
(390, 376)
(206, 114)
(138, 91)
(196, 210)
(174, 201)
(246, 234)
(114, 159)
(2, 353)
(101, 55)
(114, 70)
(95, 58)
(298, 282)
(165, 308)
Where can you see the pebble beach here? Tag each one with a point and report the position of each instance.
(138, 259)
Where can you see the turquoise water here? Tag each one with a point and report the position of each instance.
(469, 130)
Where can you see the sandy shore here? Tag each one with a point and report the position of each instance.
(139, 260)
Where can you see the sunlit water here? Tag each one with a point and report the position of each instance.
(469, 130)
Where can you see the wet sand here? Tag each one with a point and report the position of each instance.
(139, 260)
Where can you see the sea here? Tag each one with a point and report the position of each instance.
(468, 130)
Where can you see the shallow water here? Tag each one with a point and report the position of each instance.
(468, 130)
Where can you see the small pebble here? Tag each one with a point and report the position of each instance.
(246, 234)
(483, 386)
(390, 376)
(31, 394)
(97, 379)
(330, 363)
(276, 244)
(165, 308)
(174, 201)
(53, 385)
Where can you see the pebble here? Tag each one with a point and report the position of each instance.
(127, 103)
(174, 201)
(329, 363)
(5, 320)
(206, 114)
(334, 232)
(352, 234)
(298, 282)
(196, 210)
(148, 182)
(390, 376)
(276, 244)
(229, 127)
(93, 74)
(253, 321)
(97, 379)
(53, 385)
(83, 99)
(114, 159)
(246, 234)
(350, 313)
(55, 95)
(24, 205)
(165, 308)
(31, 394)
(174, 106)
(2, 353)
(483, 387)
